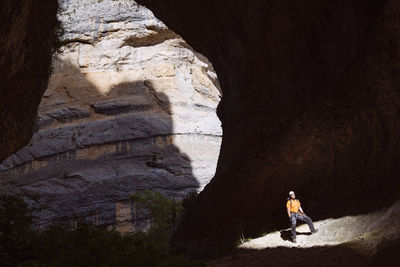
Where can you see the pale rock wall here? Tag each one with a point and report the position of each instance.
(130, 106)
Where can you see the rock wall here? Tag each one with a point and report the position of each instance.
(311, 104)
(27, 36)
(129, 106)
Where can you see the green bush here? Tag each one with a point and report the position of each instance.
(89, 245)
(16, 234)
(164, 213)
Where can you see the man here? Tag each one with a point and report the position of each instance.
(295, 212)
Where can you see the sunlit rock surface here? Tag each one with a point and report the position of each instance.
(363, 233)
(361, 240)
(130, 106)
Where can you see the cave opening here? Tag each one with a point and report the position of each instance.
(310, 104)
(129, 107)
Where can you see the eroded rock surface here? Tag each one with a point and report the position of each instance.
(130, 106)
(311, 104)
(27, 37)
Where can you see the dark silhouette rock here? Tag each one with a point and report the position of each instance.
(310, 104)
(27, 38)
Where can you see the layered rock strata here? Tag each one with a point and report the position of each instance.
(129, 107)
(310, 104)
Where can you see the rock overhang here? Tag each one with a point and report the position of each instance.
(339, 88)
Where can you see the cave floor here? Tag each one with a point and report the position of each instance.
(362, 240)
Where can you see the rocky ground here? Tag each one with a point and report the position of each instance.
(362, 240)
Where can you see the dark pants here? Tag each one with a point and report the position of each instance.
(294, 216)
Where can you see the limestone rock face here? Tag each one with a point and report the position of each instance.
(129, 106)
(311, 104)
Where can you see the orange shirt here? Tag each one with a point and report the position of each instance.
(295, 205)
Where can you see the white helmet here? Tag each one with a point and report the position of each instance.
(291, 193)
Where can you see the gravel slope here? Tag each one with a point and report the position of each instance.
(363, 240)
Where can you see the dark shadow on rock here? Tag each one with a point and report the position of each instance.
(27, 38)
(94, 149)
(338, 255)
(303, 110)
(296, 256)
(287, 235)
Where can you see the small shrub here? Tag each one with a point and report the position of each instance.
(163, 211)
(89, 245)
(16, 231)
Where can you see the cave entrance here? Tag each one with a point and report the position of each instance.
(130, 106)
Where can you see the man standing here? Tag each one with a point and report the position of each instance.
(295, 212)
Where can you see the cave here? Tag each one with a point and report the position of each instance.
(129, 107)
(310, 84)
(310, 103)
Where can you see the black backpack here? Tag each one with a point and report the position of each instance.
(289, 199)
